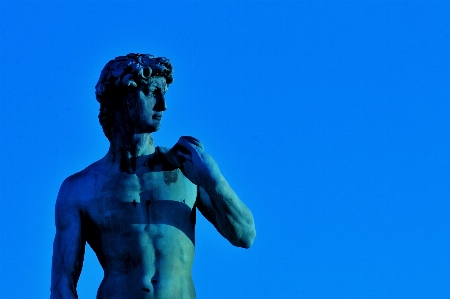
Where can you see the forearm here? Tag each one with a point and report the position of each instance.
(233, 217)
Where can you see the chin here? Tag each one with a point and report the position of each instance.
(150, 128)
(155, 128)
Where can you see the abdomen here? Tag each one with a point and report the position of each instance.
(149, 261)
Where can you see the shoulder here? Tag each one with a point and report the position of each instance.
(75, 186)
(69, 206)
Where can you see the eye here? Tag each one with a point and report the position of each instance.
(157, 92)
(147, 90)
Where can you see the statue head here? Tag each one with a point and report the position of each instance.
(125, 79)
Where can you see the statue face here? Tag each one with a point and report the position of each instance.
(148, 106)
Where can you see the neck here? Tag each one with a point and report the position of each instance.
(130, 152)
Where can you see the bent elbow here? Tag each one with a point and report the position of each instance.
(246, 238)
(247, 242)
(249, 234)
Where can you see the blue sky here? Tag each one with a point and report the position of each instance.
(329, 119)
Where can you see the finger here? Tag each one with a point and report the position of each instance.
(184, 146)
(193, 140)
(183, 156)
(172, 157)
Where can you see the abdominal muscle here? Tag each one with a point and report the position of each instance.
(146, 261)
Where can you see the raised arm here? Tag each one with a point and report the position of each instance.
(217, 201)
(68, 246)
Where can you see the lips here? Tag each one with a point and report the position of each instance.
(157, 116)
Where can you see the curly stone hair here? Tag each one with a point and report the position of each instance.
(120, 77)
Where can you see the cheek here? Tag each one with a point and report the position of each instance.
(145, 107)
(148, 100)
(135, 111)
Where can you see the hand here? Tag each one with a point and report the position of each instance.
(197, 165)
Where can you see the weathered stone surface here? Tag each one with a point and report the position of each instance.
(136, 207)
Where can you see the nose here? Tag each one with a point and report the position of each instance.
(160, 104)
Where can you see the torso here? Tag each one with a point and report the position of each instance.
(141, 227)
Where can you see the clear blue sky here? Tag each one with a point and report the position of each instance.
(329, 119)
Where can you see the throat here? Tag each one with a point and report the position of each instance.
(132, 164)
(131, 153)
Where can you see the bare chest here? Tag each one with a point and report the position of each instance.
(124, 206)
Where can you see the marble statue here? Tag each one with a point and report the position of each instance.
(136, 207)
